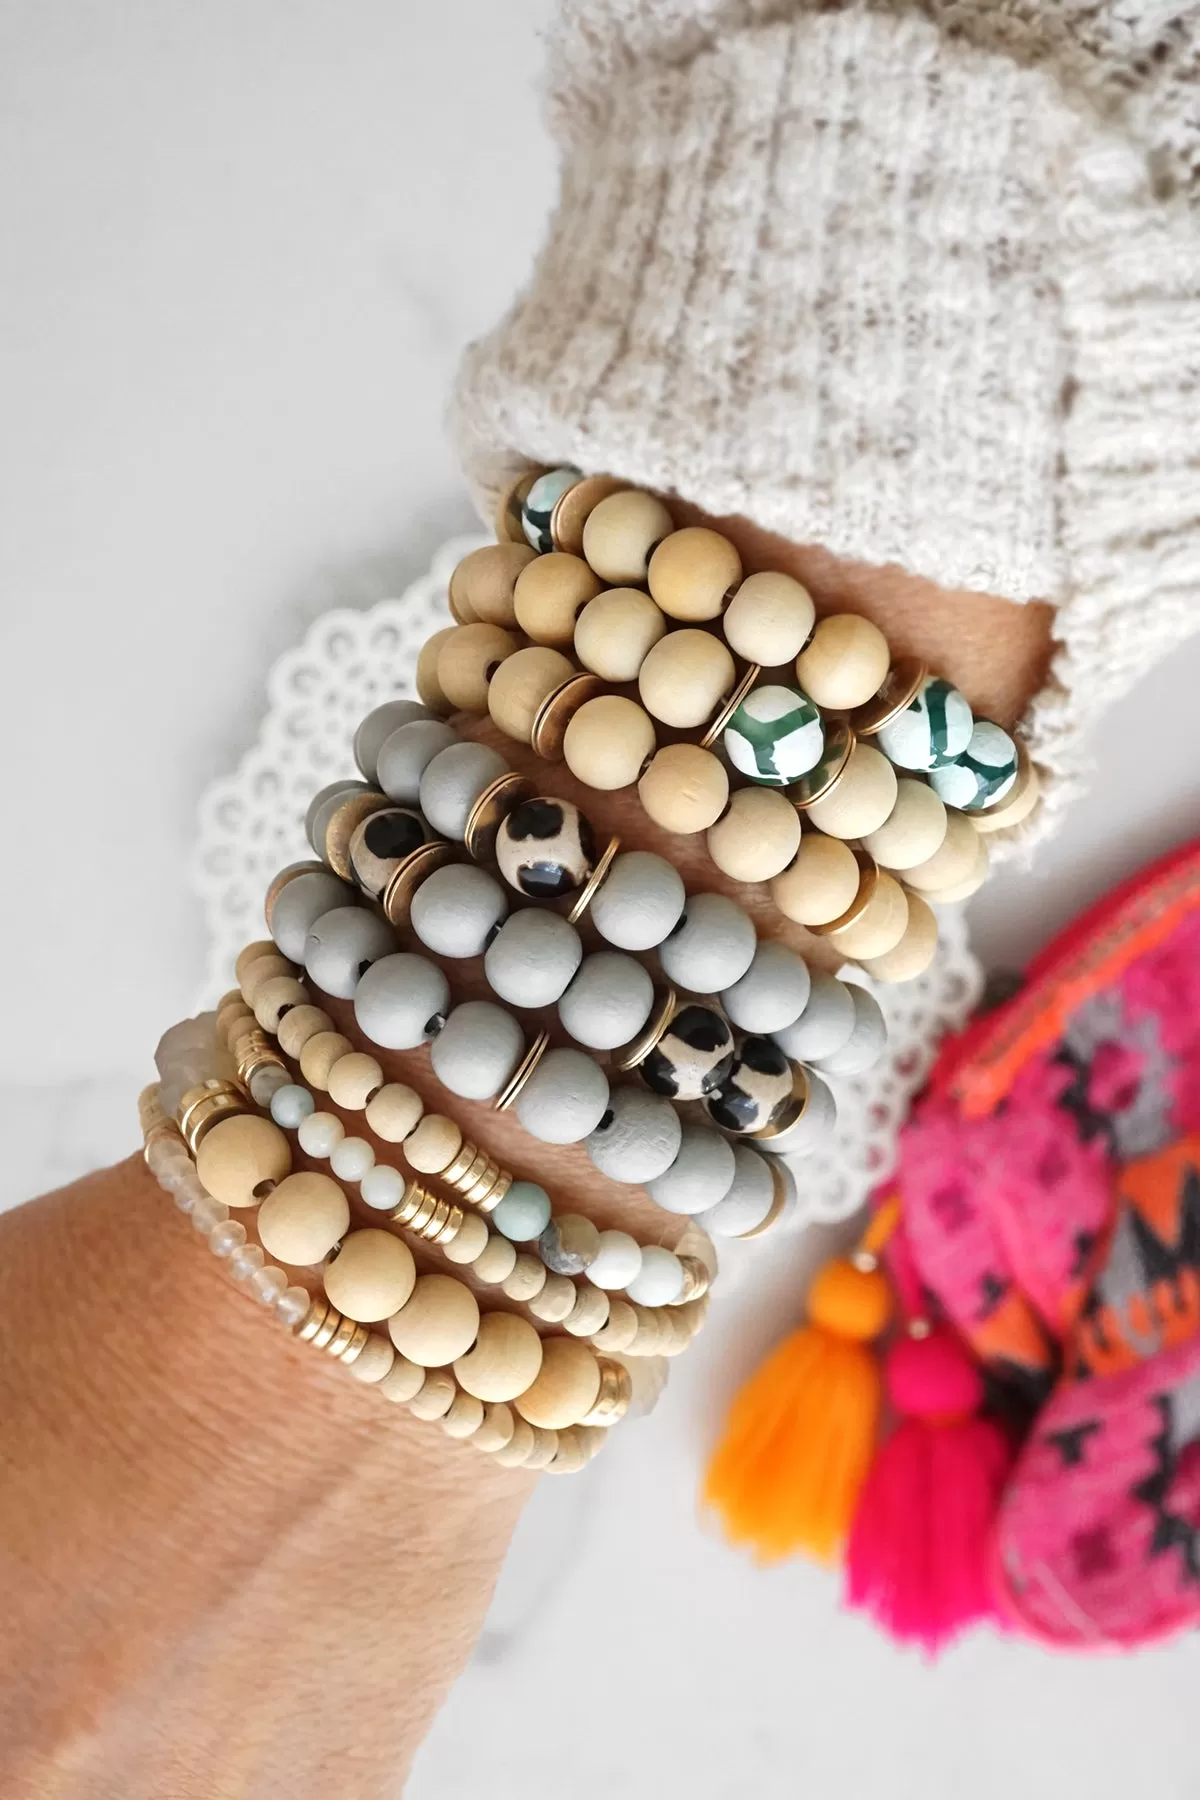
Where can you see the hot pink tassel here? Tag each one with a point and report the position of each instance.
(918, 1549)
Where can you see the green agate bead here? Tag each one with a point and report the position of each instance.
(775, 736)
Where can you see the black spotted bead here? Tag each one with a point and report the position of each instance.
(381, 843)
(692, 1057)
(545, 848)
(757, 1090)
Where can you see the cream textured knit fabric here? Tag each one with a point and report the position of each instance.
(918, 282)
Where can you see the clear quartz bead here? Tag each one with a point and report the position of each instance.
(246, 1262)
(165, 1157)
(227, 1237)
(266, 1082)
(292, 1306)
(187, 1055)
(649, 1375)
(208, 1213)
(267, 1284)
(188, 1194)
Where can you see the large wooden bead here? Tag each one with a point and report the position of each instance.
(758, 836)
(567, 1386)
(876, 921)
(692, 573)
(616, 631)
(684, 678)
(482, 587)
(915, 951)
(240, 1160)
(608, 742)
(551, 592)
(428, 686)
(467, 661)
(520, 685)
(545, 847)
(819, 883)
(953, 861)
(371, 1276)
(914, 829)
(775, 736)
(845, 662)
(685, 788)
(303, 1218)
(621, 535)
(860, 799)
(505, 1361)
(769, 619)
(438, 1322)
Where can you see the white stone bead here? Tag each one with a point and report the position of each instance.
(378, 726)
(351, 1158)
(659, 1281)
(616, 1262)
(456, 909)
(772, 993)
(382, 1187)
(825, 1024)
(701, 1174)
(749, 1200)
(640, 901)
(532, 957)
(712, 946)
(866, 1042)
(320, 1134)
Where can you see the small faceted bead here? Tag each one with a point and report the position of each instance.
(757, 1091)
(228, 1236)
(351, 1159)
(303, 1218)
(775, 736)
(637, 1138)
(521, 685)
(407, 753)
(567, 1385)
(438, 1322)
(758, 836)
(913, 831)
(692, 1057)
(617, 1260)
(684, 678)
(545, 847)
(319, 1055)
(433, 1145)
(206, 1215)
(381, 843)
(320, 1134)
(299, 1024)
(290, 1105)
(371, 1276)
(532, 957)
(564, 1099)
(453, 781)
(353, 1079)
(341, 945)
(477, 1050)
(932, 729)
(402, 1382)
(750, 1197)
(845, 662)
(819, 883)
(659, 1280)
(524, 1212)
(867, 1041)
(640, 901)
(240, 1159)
(375, 1360)
(555, 1300)
(568, 1244)
(620, 1331)
(401, 1001)
(456, 909)
(377, 727)
(684, 789)
(292, 1306)
(464, 1418)
(428, 687)
(826, 1023)
(299, 904)
(701, 1174)
(505, 1360)
(812, 1128)
(467, 661)
(551, 592)
(915, 951)
(525, 1279)
(483, 586)
(470, 1241)
(615, 633)
(266, 1285)
(621, 534)
(772, 993)
(394, 1111)
(538, 506)
(769, 619)
(983, 774)
(608, 742)
(496, 1261)
(879, 925)
(711, 947)
(608, 1002)
(860, 799)
(435, 1396)
(382, 1188)
(692, 573)
(952, 863)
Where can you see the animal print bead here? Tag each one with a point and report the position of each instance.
(756, 1090)
(545, 848)
(775, 736)
(932, 730)
(693, 1056)
(381, 843)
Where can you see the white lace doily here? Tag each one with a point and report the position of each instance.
(252, 823)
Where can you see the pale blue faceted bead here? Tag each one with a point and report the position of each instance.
(932, 729)
(378, 726)
(291, 1104)
(537, 508)
(524, 1212)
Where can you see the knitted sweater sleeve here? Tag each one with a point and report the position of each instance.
(916, 282)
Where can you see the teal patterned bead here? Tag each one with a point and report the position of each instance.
(524, 1212)
(933, 729)
(775, 736)
(983, 774)
(538, 506)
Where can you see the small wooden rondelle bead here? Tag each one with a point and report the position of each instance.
(371, 1276)
(429, 688)
(621, 1329)
(433, 1144)
(608, 741)
(570, 1457)
(555, 1301)
(915, 951)
(465, 1416)
(684, 678)
(860, 799)
(438, 1322)
(769, 619)
(375, 1361)
(913, 831)
(545, 1448)
(845, 662)
(505, 1360)
(394, 1111)
(685, 789)
(241, 1159)
(299, 1024)
(255, 952)
(616, 631)
(467, 661)
(589, 1313)
(969, 884)
(402, 1381)
(566, 1386)
(758, 836)
(496, 1261)
(469, 1241)
(434, 1397)
(302, 1219)
(261, 970)
(497, 1428)
(482, 587)
(353, 1079)
(692, 573)
(319, 1055)
(520, 685)
(621, 534)
(519, 1446)
(551, 592)
(526, 1278)
(876, 926)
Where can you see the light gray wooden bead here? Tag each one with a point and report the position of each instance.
(299, 905)
(749, 1200)
(455, 910)
(866, 1042)
(640, 901)
(405, 755)
(321, 807)
(477, 1050)
(772, 993)
(638, 1137)
(564, 1099)
(453, 782)
(825, 1024)
(341, 944)
(401, 1001)
(701, 1174)
(608, 1002)
(532, 957)
(378, 726)
(812, 1128)
(711, 947)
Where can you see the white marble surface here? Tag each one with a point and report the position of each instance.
(243, 245)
